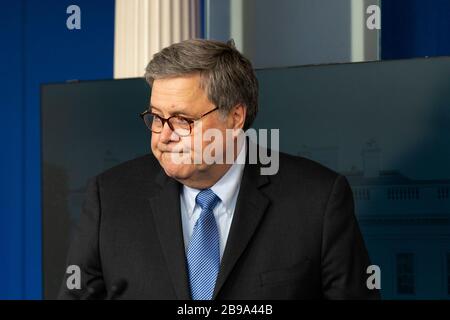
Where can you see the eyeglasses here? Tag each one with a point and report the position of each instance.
(180, 125)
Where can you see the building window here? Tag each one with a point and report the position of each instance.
(403, 193)
(405, 273)
(442, 193)
(361, 194)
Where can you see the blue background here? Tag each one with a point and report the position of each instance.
(415, 28)
(39, 49)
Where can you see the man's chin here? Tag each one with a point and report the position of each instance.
(176, 171)
(178, 175)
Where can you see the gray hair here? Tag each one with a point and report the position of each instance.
(226, 75)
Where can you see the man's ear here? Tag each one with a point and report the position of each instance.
(238, 114)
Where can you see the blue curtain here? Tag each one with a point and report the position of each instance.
(415, 28)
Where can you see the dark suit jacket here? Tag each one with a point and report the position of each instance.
(293, 236)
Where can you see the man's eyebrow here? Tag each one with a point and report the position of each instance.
(176, 113)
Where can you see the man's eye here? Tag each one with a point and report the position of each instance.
(180, 120)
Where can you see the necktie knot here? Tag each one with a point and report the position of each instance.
(207, 199)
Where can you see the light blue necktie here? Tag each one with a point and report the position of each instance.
(203, 256)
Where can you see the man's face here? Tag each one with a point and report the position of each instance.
(182, 96)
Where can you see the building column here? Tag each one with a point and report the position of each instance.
(144, 27)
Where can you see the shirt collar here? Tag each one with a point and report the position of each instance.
(227, 188)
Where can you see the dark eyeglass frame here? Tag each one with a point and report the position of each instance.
(164, 120)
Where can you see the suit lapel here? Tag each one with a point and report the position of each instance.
(250, 208)
(167, 216)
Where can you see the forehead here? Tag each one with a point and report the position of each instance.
(179, 90)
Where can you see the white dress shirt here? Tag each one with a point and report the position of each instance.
(227, 189)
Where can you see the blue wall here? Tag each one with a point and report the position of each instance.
(415, 28)
(38, 49)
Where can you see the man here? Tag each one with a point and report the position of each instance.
(168, 226)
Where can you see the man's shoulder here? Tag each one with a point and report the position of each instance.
(303, 179)
(302, 169)
(305, 166)
(145, 167)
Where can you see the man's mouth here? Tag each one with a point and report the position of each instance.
(173, 151)
(176, 149)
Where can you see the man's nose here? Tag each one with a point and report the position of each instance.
(167, 135)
